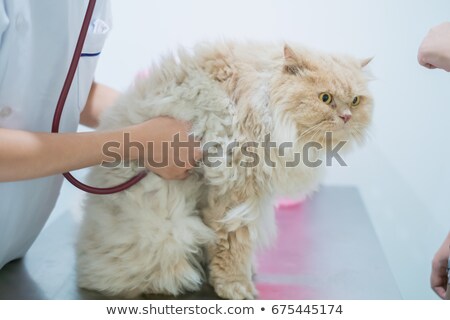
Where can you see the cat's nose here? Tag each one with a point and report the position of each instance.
(345, 117)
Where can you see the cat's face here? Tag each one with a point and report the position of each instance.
(324, 93)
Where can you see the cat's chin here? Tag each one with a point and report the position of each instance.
(342, 132)
(335, 136)
(344, 140)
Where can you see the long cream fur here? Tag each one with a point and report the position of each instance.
(158, 236)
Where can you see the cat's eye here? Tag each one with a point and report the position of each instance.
(326, 97)
(356, 101)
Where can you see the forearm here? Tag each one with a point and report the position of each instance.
(28, 155)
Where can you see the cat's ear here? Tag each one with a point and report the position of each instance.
(365, 62)
(290, 61)
(366, 71)
(293, 63)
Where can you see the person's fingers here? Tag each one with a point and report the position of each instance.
(421, 60)
(168, 175)
(421, 55)
(156, 173)
(438, 278)
(424, 60)
(440, 291)
(428, 65)
(182, 175)
(176, 173)
(198, 154)
(439, 264)
(425, 56)
(192, 156)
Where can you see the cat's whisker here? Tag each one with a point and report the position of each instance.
(359, 135)
(363, 131)
(314, 127)
(317, 133)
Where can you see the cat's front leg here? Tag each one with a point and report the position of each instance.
(230, 257)
(230, 264)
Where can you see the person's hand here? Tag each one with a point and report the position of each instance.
(434, 52)
(170, 152)
(439, 269)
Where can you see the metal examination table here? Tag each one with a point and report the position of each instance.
(326, 249)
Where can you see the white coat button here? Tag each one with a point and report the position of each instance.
(5, 112)
(21, 23)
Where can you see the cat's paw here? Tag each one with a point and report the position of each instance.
(236, 290)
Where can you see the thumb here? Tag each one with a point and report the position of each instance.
(198, 154)
(194, 156)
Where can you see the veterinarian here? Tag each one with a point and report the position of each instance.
(434, 52)
(37, 40)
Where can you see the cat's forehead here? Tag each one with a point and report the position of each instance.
(342, 75)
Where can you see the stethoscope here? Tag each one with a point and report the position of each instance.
(60, 107)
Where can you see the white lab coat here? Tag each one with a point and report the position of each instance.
(37, 40)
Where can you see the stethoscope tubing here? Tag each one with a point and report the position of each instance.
(60, 107)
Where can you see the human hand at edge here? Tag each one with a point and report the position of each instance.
(438, 279)
(434, 52)
(180, 153)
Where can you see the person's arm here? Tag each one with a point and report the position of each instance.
(28, 155)
(434, 52)
(438, 279)
(100, 98)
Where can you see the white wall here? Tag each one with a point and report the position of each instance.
(402, 173)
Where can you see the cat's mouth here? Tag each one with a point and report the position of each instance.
(331, 128)
(348, 133)
(335, 126)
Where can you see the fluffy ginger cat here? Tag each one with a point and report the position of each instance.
(161, 236)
